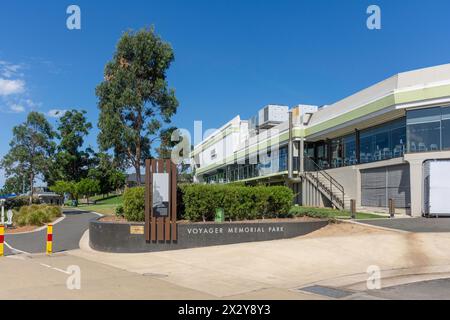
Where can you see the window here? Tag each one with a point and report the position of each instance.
(383, 142)
(424, 130)
(322, 155)
(378, 143)
(350, 150)
(445, 134)
(336, 153)
(283, 159)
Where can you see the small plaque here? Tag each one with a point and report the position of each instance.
(136, 229)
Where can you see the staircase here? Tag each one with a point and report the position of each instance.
(324, 183)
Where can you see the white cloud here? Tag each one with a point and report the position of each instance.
(9, 87)
(56, 113)
(16, 108)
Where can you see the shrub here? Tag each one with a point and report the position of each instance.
(37, 215)
(18, 202)
(239, 202)
(119, 211)
(319, 213)
(134, 204)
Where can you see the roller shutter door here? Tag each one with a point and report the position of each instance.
(378, 185)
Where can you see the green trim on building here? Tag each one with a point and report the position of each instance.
(220, 136)
(377, 105)
(351, 115)
(422, 94)
(263, 177)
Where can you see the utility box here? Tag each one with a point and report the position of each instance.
(220, 215)
(436, 188)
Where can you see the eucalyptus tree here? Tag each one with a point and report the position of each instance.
(31, 149)
(71, 162)
(135, 100)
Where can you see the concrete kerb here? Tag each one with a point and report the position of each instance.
(40, 228)
(373, 226)
(390, 278)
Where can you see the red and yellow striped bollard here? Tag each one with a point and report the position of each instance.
(49, 239)
(2, 239)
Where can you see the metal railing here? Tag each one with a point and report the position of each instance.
(316, 172)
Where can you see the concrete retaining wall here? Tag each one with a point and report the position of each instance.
(122, 237)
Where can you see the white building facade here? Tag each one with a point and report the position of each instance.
(370, 147)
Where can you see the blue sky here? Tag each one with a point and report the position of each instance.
(232, 57)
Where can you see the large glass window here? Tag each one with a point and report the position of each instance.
(424, 130)
(445, 134)
(322, 155)
(378, 143)
(283, 159)
(350, 150)
(383, 142)
(336, 153)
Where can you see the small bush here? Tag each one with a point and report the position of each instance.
(239, 202)
(134, 204)
(319, 213)
(37, 215)
(18, 202)
(119, 211)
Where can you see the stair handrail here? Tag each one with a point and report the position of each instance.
(333, 181)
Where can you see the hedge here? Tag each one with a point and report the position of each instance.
(18, 202)
(134, 204)
(239, 202)
(37, 215)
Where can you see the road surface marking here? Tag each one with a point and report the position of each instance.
(54, 268)
(14, 249)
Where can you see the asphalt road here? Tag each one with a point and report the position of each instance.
(66, 235)
(425, 290)
(420, 225)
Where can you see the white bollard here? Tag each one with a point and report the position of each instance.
(3, 211)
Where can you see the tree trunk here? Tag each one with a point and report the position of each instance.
(137, 168)
(137, 165)
(32, 188)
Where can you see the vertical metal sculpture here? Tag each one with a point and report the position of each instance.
(160, 201)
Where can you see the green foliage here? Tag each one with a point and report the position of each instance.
(16, 184)
(134, 204)
(119, 211)
(71, 163)
(105, 172)
(18, 202)
(63, 187)
(37, 215)
(31, 149)
(134, 98)
(87, 187)
(328, 213)
(239, 202)
(164, 150)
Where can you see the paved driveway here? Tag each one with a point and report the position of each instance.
(419, 225)
(66, 234)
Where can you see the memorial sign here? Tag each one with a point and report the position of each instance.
(160, 201)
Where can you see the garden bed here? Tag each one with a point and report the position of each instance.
(31, 218)
(108, 235)
(117, 219)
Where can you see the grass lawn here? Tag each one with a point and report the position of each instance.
(325, 213)
(105, 206)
